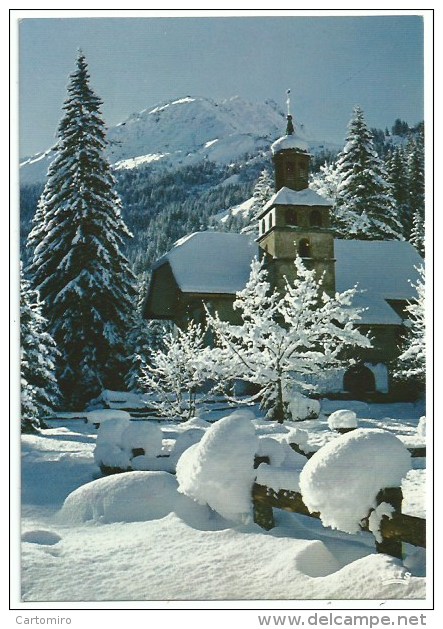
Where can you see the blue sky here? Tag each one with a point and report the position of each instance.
(329, 63)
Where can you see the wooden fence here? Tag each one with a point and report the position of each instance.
(395, 530)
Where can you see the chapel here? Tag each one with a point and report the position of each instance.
(209, 267)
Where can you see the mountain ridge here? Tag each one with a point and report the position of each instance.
(185, 131)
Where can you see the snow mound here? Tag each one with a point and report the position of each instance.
(111, 456)
(142, 435)
(421, 428)
(315, 560)
(219, 470)
(130, 497)
(120, 441)
(105, 414)
(343, 478)
(342, 418)
(300, 437)
(280, 453)
(301, 407)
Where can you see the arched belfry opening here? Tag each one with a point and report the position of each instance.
(315, 219)
(304, 248)
(291, 216)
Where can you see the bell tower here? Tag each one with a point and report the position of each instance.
(296, 220)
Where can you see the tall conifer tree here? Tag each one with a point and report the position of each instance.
(398, 178)
(365, 206)
(416, 177)
(78, 266)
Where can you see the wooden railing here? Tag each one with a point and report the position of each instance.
(399, 528)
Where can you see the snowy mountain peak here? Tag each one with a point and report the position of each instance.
(184, 131)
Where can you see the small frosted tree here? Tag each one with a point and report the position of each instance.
(39, 389)
(283, 339)
(177, 372)
(411, 365)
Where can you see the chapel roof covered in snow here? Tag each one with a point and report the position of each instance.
(214, 263)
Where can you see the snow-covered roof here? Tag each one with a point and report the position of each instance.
(211, 262)
(382, 269)
(219, 263)
(289, 142)
(287, 196)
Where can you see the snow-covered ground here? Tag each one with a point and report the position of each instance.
(134, 537)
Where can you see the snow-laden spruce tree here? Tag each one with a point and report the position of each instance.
(39, 390)
(365, 207)
(77, 263)
(411, 364)
(397, 170)
(263, 191)
(177, 372)
(285, 337)
(416, 191)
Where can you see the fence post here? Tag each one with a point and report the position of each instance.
(393, 496)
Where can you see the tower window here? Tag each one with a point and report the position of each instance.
(304, 248)
(263, 229)
(291, 217)
(315, 218)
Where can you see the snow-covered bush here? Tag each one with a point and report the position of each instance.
(342, 479)
(421, 428)
(342, 418)
(219, 470)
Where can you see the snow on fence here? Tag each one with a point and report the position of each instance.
(395, 529)
(351, 484)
